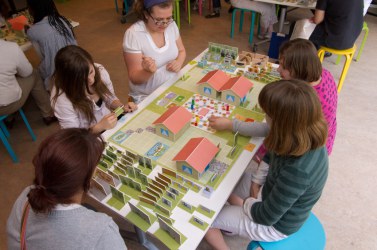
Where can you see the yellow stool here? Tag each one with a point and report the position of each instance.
(348, 53)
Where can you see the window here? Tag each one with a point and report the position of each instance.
(230, 98)
(164, 132)
(186, 169)
(207, 90)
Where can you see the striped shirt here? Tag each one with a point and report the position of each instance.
(293, 186)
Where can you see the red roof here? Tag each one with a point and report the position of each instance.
(215, 78)
(175, 118)
(198, 152)
(239, 85)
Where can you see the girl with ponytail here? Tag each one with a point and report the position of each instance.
(49, 214)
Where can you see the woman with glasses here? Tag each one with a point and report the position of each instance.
(152, 48)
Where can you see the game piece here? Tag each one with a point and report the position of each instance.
(162, 187)
(163, 209)
(188, 158)
(205, 208)
(170, 230)
(119, 110)
(146, 200)
(166, 219)
(234, 143)
(143, 179)
(197, 220)
(119, 169)
(104, 176)
(108, 158)
(137, 173)
(103, 164)
(148, 163)
(149, 196)
(131, 172)
(132, 155)
(166, 202)
(161, 181)
(157, 150)
(111, 154)
(137, 186)
(207, 192)
(97, 185)
(159, 190)
(166, 179)
(171, 195)
(141, 161)
(169, 172)
(174, 191)
(153, 192)
(117, 194)
(140, 212)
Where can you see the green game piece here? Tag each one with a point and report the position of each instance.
(187, 207)
(198, 223)
(111, 154)
(119, 110)
(205, 211)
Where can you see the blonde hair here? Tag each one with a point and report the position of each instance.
(297, 122)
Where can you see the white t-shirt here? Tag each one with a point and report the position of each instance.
(12, 62)
(70, 118)
(138, 40)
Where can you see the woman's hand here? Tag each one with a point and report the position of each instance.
(174, 66)
(220, 123)
(148, 64)
(131, 106)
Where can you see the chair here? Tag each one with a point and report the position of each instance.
(176, 12)
(200, 6)
(242, 12)
(4, 134)
(124, 4)
(348, 53)
(366, 29)
(311, 236)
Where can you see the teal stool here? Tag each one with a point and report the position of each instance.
(311, 236)
(125, 6)
(242, 12)
(4, 134)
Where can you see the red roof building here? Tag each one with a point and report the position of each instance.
(198, 154)
(239, 85)
(216, 79)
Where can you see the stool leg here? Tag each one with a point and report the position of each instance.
(345, 71)
(33, 137)
(363, 43)
(4, 129)
(8, 147)
(116, 5)
(337, 60)
(241, 20)
(186, 5)
(252, 27)
(232, 25)
(200, 3)
(125, 6)
(321, 54)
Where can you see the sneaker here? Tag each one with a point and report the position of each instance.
(264, 36)
(213, 15)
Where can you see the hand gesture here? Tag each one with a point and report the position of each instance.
(220, 123)
(174, 66)
(148, 64)
(107, 122)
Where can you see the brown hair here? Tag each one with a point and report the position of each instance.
(297, 122)
(71, 77)
(139, 9)
(64, 165)
(299, 57)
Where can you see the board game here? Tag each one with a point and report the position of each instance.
(152, 162)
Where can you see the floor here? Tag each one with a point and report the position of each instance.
(347, 206)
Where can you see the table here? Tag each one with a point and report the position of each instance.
(285, 4)
(214, 202)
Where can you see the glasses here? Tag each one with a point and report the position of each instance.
(168, 21)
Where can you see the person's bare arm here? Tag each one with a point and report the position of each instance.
(318, 17)
(139, 68)
(176, 64)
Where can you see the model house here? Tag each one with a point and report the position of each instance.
(195, 157)
(212, 82)
(235, 90)
(173, 123)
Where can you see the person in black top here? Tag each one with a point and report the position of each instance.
(339, 23)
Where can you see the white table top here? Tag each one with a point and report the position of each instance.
(217, 199)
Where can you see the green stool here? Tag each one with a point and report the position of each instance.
(365, 27)
(242, 12)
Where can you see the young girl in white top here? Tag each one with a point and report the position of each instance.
(83, 95)
(153, 48)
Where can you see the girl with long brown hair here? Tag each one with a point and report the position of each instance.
(83, 95)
